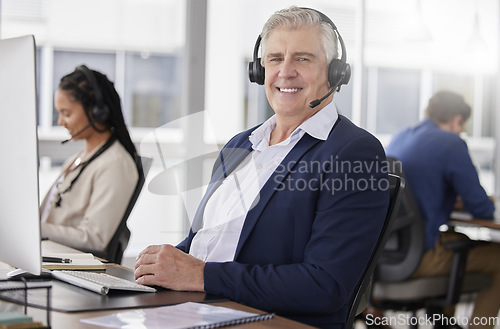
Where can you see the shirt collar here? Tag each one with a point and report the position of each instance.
(317, 126)
(320, 124)
(429, 122)
(261, 135)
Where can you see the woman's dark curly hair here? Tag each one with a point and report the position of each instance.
(79, 87)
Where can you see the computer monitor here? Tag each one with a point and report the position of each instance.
(20, 244)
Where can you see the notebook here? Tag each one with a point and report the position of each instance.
(181, 316)
(79, 261)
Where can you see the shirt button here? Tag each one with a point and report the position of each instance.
(259, 167)
(217, 227)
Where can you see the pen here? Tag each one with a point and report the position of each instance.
(56, 260)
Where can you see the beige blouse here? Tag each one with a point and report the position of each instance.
(91, 211)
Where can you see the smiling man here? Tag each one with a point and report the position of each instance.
(287, 224)
(296, 71)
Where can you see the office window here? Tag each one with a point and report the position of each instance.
(489, 100)
(153, 87)
(66, 62)
(397, 99)
(343, 100)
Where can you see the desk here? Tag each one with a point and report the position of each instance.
(72, 320)
(66, 299)
(466, 219)
(488, 229)
(463, 218)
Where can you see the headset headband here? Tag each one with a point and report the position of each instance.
(100, 112)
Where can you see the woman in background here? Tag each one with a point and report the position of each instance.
(86, 203)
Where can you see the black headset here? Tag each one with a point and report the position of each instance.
(339, 71)
(100, 111)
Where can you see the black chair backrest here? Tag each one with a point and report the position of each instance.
(396, 185)
(406, 244)
(114, 251)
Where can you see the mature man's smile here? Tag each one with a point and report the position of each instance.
(289, 90)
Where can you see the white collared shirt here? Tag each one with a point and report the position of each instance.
(227, 208)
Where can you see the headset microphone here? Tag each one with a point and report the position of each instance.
(78, 133)
(316, 102)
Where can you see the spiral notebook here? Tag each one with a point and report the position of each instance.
(181, 316)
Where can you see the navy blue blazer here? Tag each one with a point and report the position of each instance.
(308, 237)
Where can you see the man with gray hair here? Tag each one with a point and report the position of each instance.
(282, 227)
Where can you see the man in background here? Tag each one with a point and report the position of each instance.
(438, 168)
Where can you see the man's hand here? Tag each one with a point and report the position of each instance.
(169, 267)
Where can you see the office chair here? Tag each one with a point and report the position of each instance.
(360, 300)
(114, 251)
(393, 287)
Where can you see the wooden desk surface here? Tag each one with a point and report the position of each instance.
(458, 218)
(72, 320)
(63, 320)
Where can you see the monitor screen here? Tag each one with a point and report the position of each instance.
(20, 244)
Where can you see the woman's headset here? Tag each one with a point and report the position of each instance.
(100, 111)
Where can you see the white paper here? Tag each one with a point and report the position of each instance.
(78, 261)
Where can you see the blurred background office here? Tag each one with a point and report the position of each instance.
(180, 67)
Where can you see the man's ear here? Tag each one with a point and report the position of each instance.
(457, 123)
(459, 119)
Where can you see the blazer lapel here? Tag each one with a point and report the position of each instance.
(267, 191)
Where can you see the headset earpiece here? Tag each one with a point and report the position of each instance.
(256, 71)
(339, 73)
(100, 112)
